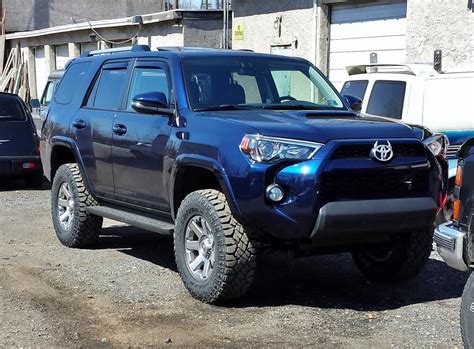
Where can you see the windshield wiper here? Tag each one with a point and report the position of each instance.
(225, 107)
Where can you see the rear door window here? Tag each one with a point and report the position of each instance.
(108, 89)
(387, 99)
(71, 82)
(11, 109)
(355, 88)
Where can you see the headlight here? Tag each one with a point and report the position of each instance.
(438, 144)
(271, 149)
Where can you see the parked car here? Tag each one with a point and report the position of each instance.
(231, 150)
(455, 239)
(19, 143)
(418, 94)
(40, 106)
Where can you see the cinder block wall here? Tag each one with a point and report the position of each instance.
(440, 24)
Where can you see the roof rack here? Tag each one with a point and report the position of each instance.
(411, 69)
(134, 48)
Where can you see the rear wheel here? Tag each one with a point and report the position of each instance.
(214, 255)
(467, 313)
(70, 198)
(398, 261)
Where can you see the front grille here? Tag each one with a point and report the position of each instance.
(360, 185)
(445, 242)
(452, 151)
(351, 151)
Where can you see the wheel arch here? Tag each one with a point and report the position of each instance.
(191, 173)
(63, 151)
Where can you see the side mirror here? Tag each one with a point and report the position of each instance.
(354, 102)
(151, 103)
(35, 103)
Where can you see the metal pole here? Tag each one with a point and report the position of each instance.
(225, 36)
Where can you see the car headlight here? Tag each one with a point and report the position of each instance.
(271, 149)
(438, 144)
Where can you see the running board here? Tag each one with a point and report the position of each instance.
(133, 219)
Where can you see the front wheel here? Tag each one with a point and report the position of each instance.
(215, 257)
(398, 261)
(467, 313)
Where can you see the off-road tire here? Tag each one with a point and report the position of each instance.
(467, 313)
(408, 255)
(85, 227)
(235, 252)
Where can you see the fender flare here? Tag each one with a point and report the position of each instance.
(72, 146)
(209, 164)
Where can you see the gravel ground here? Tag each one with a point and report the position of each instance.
(126, 292)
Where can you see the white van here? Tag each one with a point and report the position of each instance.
(418, 94)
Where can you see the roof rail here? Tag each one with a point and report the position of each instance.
(134, 48)
(411, 69)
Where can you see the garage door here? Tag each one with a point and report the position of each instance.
(41, 71)
(62, 56)
(88, 46)
(357, 31)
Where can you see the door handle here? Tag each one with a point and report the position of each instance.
(79, 124)
(119, 129)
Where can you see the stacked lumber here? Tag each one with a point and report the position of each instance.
(14, 78)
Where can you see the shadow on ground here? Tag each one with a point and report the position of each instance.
(321, 281)
(8, 184)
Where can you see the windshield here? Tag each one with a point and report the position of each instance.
(256, 82)
(11, 109)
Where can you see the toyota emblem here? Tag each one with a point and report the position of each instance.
(382, 152)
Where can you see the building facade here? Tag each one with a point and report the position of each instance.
(334, 34)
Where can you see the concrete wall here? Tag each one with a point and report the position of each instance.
(297, 29)
(440, 24)
(23, 15)
(303, 30)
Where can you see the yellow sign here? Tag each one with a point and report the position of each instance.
(239, 32)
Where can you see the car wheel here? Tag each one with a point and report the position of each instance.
(467, 313)
(398, 261)
(73, 225)
(214, 255)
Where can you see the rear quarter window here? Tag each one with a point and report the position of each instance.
(71, 82)
(11, 109)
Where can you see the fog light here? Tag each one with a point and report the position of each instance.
(275, 193)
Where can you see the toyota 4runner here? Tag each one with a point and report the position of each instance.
(231, 152)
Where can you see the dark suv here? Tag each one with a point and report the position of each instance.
(230, 151)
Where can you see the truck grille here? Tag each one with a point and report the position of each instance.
(452, 151)
(349, 151)
(360, 185)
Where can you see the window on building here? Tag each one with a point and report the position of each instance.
(147, 80)
(355, 88)
(387, 99)
(108, 89)
(71, 82)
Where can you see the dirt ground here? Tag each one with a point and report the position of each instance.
(125, 292)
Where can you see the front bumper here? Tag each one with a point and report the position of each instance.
(20, 166)
(365, 220)
(451, 245)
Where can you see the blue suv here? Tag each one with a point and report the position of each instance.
(234, 152)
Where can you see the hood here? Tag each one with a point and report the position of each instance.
(318, 126)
